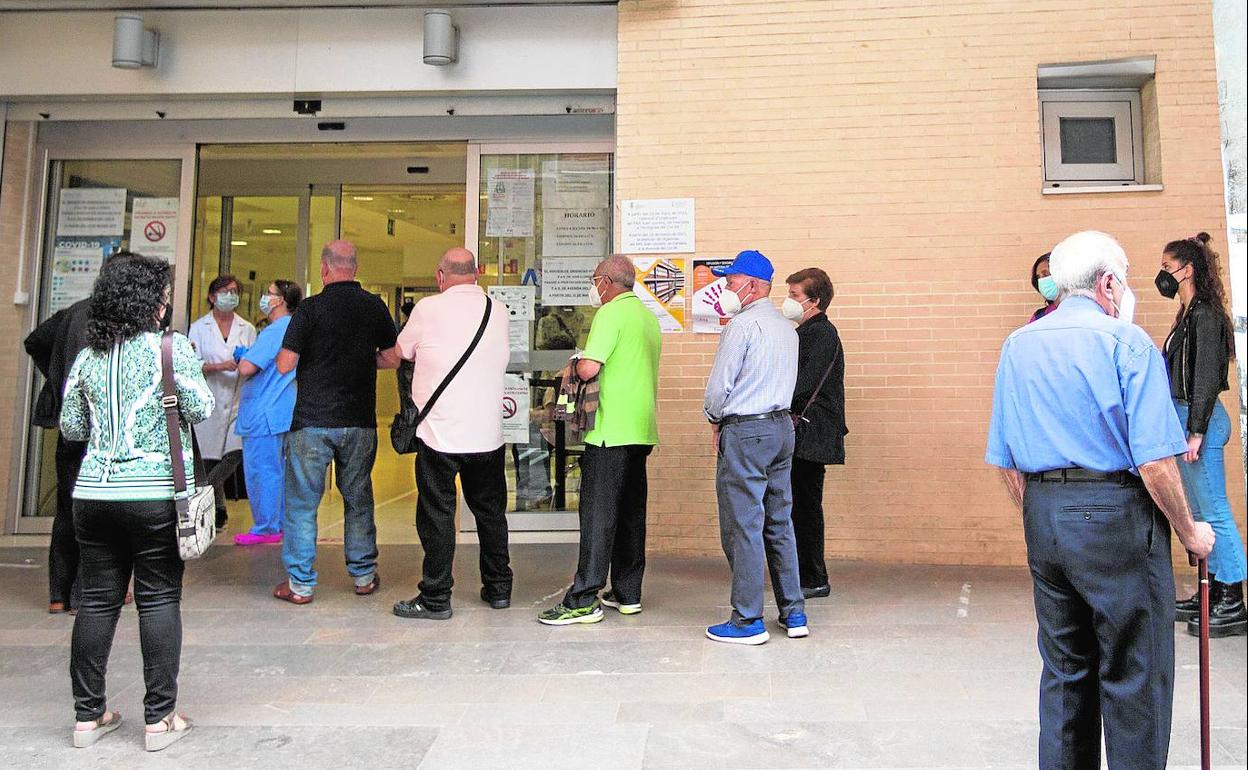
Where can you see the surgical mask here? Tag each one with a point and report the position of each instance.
(1126, 308)
(730, 302)
(266, 303)
(792, 309)
(226, 301)
(1166, 283)
(595, 299)
(1047, 287)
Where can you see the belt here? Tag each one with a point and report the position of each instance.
(1071, 475)
(733, 419)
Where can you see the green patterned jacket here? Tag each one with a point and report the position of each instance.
(112, 401)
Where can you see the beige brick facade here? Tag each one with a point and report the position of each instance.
(897, 146)
(12, 317)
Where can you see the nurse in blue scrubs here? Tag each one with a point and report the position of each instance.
(265, 407)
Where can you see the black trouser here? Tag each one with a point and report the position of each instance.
(808, 521)
(485, 490)
(613, 524)
(117, 538)
(217, 471)
(1099, 554)
(63, 551)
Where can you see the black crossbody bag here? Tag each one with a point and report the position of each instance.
(403, 427)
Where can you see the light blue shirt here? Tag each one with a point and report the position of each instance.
(1079, 388)
(267, 400)
(755, 367)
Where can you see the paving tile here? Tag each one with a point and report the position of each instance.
(609, 747)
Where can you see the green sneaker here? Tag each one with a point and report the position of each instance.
(609, 600)
(560, 615)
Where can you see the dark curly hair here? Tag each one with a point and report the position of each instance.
(126, 297)
(290, 293)
(1206, 277)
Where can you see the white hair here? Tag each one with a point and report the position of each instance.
(1079, 261)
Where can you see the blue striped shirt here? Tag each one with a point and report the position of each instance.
(755, 367)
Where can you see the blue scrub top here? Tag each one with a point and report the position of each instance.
(267, 400)
(1079, 388)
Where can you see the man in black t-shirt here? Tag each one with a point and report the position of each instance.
(332, 345)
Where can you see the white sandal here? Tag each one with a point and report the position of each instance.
(162, 739)
(103, 726)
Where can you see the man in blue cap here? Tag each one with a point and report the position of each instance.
(747, 401)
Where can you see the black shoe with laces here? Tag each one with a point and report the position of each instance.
(816, 592)
(1227, 614)
(415, 609)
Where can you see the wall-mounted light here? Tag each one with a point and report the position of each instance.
(134, 46)
(441, 39)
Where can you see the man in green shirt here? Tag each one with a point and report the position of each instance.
(623, 352)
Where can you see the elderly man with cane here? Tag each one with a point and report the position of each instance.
(1085, 436)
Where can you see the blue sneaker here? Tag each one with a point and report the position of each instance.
(795, 624)
(731, 633)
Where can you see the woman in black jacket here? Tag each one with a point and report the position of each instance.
(1198, 352)
(819, 416)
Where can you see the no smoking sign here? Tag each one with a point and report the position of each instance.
(154, 231)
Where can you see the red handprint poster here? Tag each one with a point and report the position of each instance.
(708, 318)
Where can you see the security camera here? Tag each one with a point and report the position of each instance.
(307, 106)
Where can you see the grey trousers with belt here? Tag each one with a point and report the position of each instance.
(752, 482)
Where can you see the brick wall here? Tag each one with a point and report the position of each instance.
(12, 317)
(896, 145)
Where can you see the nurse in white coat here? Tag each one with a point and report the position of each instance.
(215, 337)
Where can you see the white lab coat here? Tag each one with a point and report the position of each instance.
(218, 430)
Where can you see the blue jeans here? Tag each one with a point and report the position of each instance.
(309, 452)
(264, 466)
(1205, 484)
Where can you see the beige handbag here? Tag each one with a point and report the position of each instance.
(197, 518)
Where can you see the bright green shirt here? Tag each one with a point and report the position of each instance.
(625, 339)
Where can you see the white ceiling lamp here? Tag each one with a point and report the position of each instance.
(134, 46)
(441, 39)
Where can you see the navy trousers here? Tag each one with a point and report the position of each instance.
(1099, 553)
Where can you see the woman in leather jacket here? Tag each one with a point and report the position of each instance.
(1198, 352)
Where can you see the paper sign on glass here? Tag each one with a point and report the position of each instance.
(565, 280)
(91, 212)
(509, 204)
(518, 299)
(154, 227)
(574, 232)
(660, 226)
(573, 182)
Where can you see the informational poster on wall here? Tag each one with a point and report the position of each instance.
(574, 232)
(660, 283)
(565, 280)
(154, 227)
(658, 226)
(708, 316)
(518, 299)
(91, 212)
(576, 182)
(509, 211)
(76, 263)
(515, 409)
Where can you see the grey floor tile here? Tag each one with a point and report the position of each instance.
(618, 747)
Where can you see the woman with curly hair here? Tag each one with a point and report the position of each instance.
(124, 514)
(1198, 352)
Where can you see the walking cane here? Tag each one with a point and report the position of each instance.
(1202, 566)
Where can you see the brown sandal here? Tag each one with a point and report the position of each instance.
(282, 591)
(369, 588)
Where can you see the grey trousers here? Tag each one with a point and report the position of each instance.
(752, 482)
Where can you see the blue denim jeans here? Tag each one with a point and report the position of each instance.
(309, 452)
(1205, 484)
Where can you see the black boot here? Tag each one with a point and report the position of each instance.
(1227, 614)
(1187, 609)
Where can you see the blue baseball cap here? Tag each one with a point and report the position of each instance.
(751, 263)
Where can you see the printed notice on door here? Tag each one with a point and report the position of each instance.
(91, 212)
(154, 227)
(515, 409)
(565, 280)
(574, 182)
(659, 226)
(574, 232)
(76, 263)
(518, 299)
(509, 203)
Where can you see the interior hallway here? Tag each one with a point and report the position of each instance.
(924, 667)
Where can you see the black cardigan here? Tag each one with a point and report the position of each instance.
(54, 345)
(822, 439)
(1197, 360)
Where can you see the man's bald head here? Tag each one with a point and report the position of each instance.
(456, 267)
(339, 259)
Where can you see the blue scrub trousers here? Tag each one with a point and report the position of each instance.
(264, 466)
(1205, 484)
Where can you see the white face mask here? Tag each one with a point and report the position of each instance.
(595, 299)
(793, 310)
(1125, 308)
(730, 302)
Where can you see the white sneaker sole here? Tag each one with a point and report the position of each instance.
(756, 639)
(623, 609)
(798, 633)
(593, 617)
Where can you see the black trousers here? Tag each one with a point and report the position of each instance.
(63, 550)
(117, 538)
(613, 524)
(1099, 554)
(808, 522)
(482, 477)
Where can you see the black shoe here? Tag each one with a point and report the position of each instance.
(222, 519)
(1227, 615)
(413, 608)
(818, 592)
(498, 602)
(1189, 609)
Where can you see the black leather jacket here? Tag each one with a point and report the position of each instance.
(54, 345)
(1197, 360)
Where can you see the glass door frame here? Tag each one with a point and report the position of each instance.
(47, 158)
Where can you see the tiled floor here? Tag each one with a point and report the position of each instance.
(912, 667)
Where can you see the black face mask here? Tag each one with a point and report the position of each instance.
(1167, 284)
(166, 320)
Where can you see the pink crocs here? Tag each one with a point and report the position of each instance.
(246, 538)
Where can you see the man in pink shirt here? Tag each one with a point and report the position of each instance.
(462, 434)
